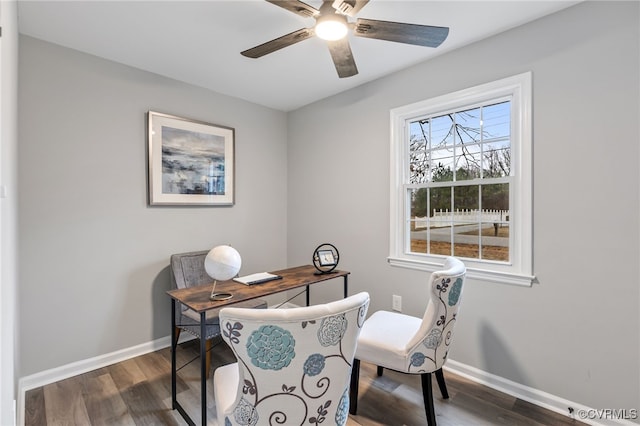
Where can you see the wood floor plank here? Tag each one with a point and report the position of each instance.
(153, 365)
(544, 417)
(64, 403)
(492, 396)
(34, 408)
(145, 407)
(126, 374)
(104, 403)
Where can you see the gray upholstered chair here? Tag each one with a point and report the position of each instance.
(188, 271)
(414, 345)
(293, 364)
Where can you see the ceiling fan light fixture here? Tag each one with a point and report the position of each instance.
(331, 27)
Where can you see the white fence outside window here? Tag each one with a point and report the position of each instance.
(442, 218)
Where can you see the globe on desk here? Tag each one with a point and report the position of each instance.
(222, 263)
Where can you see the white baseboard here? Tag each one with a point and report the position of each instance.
(537, 397)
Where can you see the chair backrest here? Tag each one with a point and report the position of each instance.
(428, 349)
(188, 269)
(294, 364)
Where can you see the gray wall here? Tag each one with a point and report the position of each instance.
(575, 334)
(93, 258)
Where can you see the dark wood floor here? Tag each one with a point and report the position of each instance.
(138, 392)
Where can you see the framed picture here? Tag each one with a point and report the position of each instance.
(190, 162)
(325, 258)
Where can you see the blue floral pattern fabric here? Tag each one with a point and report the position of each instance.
(342, 413)
(314, 365)
(289, 370)
(245, 413)
(454, 294)
(332, 329)
(433, 339)
(271, 347)
(434, 348)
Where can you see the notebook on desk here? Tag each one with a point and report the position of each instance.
(258, 278)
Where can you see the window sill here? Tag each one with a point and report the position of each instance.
(500, 277)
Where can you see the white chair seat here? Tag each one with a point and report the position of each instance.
(384, 337)
(225, 384)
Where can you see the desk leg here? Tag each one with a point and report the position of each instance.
(346, 286)
(203, 367)
(174, 346)
(307, 295)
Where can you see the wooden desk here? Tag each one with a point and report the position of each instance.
(197, 299)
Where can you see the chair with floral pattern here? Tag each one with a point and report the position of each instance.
(414, 345)
(293, 364)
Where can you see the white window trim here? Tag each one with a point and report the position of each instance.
(519, 271)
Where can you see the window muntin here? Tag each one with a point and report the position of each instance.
(461, 181)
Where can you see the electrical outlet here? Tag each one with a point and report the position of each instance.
(396, 303)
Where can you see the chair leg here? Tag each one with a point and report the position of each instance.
(379, 371)
(353, 388)
(441, 383)
(427, 395)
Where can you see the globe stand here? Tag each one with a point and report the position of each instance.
(218, 296)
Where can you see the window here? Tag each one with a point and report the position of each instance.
(461, 181)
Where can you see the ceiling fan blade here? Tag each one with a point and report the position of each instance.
(278, 43)
(342, 58)
(349, 7)
(421, 35)
(297, 7)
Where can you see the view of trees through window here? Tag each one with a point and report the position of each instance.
(458, 182)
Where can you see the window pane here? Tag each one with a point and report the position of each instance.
(496, 197)
(468, 126)
(442, 165)
(440, 241)
(441, 134)
(441, 220)
(439, 204)
(496, 132)
(495, 222)
(496, 121)
(466, 242)
(466, 203)
(497, 160)
(468, 162)
(466, 219)
(418, 159)
(418, 220)
(418, 202)
(495, 241)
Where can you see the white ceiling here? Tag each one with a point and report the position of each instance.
(199, 42)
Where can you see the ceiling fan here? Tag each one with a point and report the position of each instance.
(332, 25)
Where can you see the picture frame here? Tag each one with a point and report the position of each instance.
(190, 162)
(326, 258)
